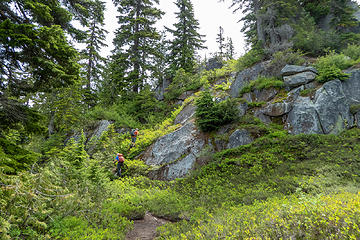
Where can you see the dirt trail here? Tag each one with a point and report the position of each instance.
(145, 229)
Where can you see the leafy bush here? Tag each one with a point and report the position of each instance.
(282, 58)
(322, 217)
(181, 83)
(355, 108)
(262, 83)
(330, 66)
(211, 115)
(224, 72)
(249, 59)
(14, 158)
(313, 41)
(352, 51)
(329, 73)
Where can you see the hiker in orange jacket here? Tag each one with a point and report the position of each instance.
(120, 162)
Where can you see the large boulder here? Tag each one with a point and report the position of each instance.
(262, 95)
(238, 138)
(303, 117)
(185, 114)
(246, 76)
(333, 108)
(351, 87)
(327, 113)
(299, 79)
(278, 108)
(177, 151)
(295, 69)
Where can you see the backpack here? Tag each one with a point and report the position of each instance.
(132, 133)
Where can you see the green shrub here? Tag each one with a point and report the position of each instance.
(224, 72)
(181, 83)
(352, 51)
(330, 67)
(211, 115)
(281, 58)
(249, 59)
(262, 83)
(329, 73)
(298, 217)
(354, 108)
(312, 41)
(338, 60)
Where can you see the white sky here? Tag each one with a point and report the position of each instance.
(211, 14)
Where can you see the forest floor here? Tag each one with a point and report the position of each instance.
(145, 229)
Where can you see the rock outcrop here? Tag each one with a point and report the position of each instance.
(238, 138)
(321, 109)
(176, 152)
(246, 76)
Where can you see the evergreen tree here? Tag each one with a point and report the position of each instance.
(134, 43)
(186, 38)
(95, 39)
(230, 50)
(34, 53)
(220, 39)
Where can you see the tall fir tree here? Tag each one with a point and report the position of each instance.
(230, 49)
(93, 62)
(220, 39)
(132, 60)
(35, 55)
(186, 39)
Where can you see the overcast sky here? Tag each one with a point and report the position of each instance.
(210, 13)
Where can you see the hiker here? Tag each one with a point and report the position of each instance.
(133, 133)
(120, 162)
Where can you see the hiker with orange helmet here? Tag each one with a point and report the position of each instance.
(120, 162)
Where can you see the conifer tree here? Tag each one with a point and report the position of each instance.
(35, 55)
(95, 40)
(134, 43)
(230, 50)
(220, 39)
(186, 39)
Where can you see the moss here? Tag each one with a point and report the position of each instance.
(262, 83)
(355, 108)
(255, 104)
(307, 92)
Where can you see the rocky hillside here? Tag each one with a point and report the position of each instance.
(302, 105)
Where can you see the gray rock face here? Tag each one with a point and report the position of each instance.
(178, 150)
(277, 109)
(299, 79)
(246, 76)
(351, 87)
(328, 113)
(238, 138)
(262, 95)
(333, 108)
(303, 118)
(294, 69)
(242, 107)
(102, 126)
(180, 168)
(186, 113)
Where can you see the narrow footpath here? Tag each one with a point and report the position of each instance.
(145, 229)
